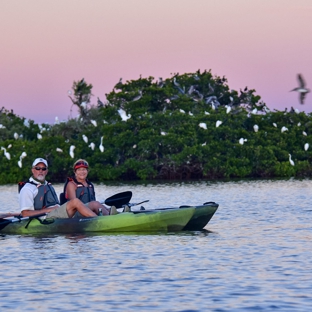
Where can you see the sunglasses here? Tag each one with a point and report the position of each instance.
(82, 163)
(40, 168)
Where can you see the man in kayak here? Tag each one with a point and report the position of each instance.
(80, 187)
(38, 196)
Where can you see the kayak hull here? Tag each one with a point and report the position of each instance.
(190, 218)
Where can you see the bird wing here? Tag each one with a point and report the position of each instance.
(301, 81)
(302, 96)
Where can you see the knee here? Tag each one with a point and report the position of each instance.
(74, 202)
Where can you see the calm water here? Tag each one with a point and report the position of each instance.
(257, 255)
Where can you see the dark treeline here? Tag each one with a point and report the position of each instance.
(190, 126)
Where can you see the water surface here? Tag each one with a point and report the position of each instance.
(256, 255)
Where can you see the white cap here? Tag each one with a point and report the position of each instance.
(39, 160)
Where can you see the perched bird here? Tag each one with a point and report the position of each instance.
(256, 128)
(204, 144)
(71, 151)
(274, 124)
(163, 133)
(306, 146)
(254, 111)
(123, 114)
(191, 114)
(23, 155)
(182, 111)
(291, 161)
(301, 89)
(304, 133)
(101, 147)
(207, 113)
(39, 136)
(134, 146)
(242, 140)
(16, 136)
(94, 123)
(228, 108)
(299, 124)
(284, 129)
(56, 121)
(99, 103)
(92, 146)
(203, 125)
(6, 154)
(137, 97)
(85, 138)
(218, 123)
(59, 150)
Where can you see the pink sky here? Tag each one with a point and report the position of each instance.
(46, 45)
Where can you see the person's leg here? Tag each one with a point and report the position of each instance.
(77, 205)
(95, 206)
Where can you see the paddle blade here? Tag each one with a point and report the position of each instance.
(118, 200)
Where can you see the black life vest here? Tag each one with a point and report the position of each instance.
(84, 193)
(46, 196)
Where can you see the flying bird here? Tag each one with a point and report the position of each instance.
(301, 89)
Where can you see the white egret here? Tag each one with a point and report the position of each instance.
(39, 136)
(218, 123)
(207, 113)
(85, 138)
(163, 133)
(274, 124)
(138, 96)
(306, 146)
(256, 128)
(92, 146)
(16, 136)
(284, 129)
(299, 124)
(59, 150)
(228, 108)
(242, 140)
(123, 114)
(291, 161)
(23, 155)
(71, 151)
(101, 147)
(254, 111)
(304, 133)
(203, 125)
(26, 123)
(191, 114)
(56, 120)
(2, 126)
(297, 111)
(84, 105)
(134, 146)
(182, 111)
(204, 144)
(20, 163)
(9, 146)
(94, 123)
(6, 154)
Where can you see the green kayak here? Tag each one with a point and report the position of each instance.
(163, 219)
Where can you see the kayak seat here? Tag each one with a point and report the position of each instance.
(63, 200)
(207, 203)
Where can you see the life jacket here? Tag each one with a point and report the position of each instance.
(46, 196)
(84, 193)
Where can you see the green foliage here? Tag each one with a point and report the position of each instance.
(163, 139)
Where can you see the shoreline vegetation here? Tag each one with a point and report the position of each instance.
(189, 126)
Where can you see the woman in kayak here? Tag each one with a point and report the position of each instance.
(80, 187)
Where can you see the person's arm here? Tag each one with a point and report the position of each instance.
(71, 190)
(26, 202)
(30, 213)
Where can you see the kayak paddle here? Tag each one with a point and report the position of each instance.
(5, 222)
(118, 200)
